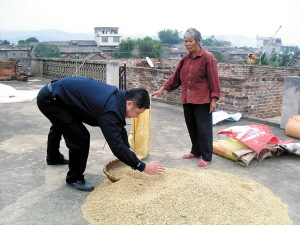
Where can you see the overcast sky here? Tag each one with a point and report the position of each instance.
(134, 17)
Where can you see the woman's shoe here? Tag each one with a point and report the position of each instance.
(203, 163)
(189, 156)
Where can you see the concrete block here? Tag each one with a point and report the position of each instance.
(291, 99)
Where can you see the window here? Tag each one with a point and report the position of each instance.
(104, 39)
(116, 39)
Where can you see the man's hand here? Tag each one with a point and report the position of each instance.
(159, 92)
(154, 168)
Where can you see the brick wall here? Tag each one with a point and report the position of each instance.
(9, 71)
(249, 89)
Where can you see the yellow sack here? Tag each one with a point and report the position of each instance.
(227, 147)
(293, 127)
(139, 138)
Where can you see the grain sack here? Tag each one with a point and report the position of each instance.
(256, 137)
(139, 138)
(183, 196)
(225, 148)
(292, 148)
(243, 155)
(293, 127)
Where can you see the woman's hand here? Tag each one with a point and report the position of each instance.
(154, 168)
(213, 105)
(159, 92)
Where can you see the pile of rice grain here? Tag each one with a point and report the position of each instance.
(183, 196)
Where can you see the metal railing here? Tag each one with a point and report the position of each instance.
(58, 69)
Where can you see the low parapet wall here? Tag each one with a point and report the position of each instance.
(252, 90)
(107, 72)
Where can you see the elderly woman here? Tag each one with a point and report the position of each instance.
(197, 74)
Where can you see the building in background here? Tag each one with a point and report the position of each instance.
(269, 45)
(76, 49)
(273, 44)
(107, 38)
(12, 52)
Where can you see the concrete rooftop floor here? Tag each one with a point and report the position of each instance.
(34, 193)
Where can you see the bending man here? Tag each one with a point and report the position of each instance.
(72, 101)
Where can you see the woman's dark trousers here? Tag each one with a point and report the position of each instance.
(199, 124)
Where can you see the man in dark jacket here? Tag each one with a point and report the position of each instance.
(72, 101)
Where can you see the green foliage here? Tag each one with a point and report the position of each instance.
(243, 62)
(219, 56)
(149, 48)
(207, 43)
(169, 36)
(146, 47)
(124, 50)
(75, 56)
(274, 57)
(275, 60)
(263, 60)
(45, 50)
(5, 42)
(212, 41)
(284, 58)
(222, 43)
(32, 39)
(24, 43)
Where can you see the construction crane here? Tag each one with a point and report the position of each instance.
(268, 45)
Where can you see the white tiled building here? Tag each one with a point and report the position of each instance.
(107, 38)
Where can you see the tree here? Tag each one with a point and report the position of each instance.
(222, 43)
(263, 59)
(169, 36)
(284, 58)
(209, 41)
(22, 43)
(212, 41)
(149, 48)
(5, 42)
(124, 50)
(219, 56)
(32, 39)
(45, 50)
(281, 60)
(274, 57)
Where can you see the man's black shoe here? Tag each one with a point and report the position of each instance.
(60, 161)
(81, 185)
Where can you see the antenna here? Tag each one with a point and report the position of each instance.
(149, 62)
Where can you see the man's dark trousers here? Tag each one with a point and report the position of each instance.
(76, 135)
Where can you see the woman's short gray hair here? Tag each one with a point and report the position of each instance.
(193, 33)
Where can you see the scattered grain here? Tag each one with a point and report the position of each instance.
(183, 196)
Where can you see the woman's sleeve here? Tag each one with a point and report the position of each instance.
(213, 77)
(174, 81)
